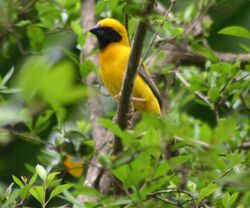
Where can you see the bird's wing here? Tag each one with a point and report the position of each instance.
(146, 77)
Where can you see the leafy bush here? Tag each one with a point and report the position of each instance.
(196, 155)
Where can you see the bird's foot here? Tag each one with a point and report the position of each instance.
(131, 110)
(129, 116)
(115, 118)
(138, 99)
(117, 97)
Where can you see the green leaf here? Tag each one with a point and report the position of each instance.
(100, 7)
(10, 91)
(105, 160)
(125, 158)
(114, 128)
(41, 79)
(30, 168)
(132, 173)
(189, 12)
(41, 172)
(76, 27)
(36, 36)
(224, 130)
(63, 77)
(49, 13)
(228, 200)
(222, 69)
(69, 197)
(33, 179)
(23, 23)
(43, 121)
(72, 56)
(207, 191)
(24, 192)
(214, 94)
(9, 189)
(51, 176)
(162, 169)
(156, 185)
(196, 83)
(7, 77)
(178, 160)
(206, 52)
(59, 189)
(38, 192)
(18, 181)
(53, 182)
(235, 31)
(151, 142)
(88, 191)
(86, 67)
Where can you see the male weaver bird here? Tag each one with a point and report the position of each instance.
(114, 54)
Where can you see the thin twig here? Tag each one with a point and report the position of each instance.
(169, 191)
(33, 138)
(199, 17)
(164, 200)
(126, 16)
(223, 175)
(157, 33)
(172, 191)
(195, 142)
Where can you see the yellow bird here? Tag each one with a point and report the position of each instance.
(74, 168)
(113, 60)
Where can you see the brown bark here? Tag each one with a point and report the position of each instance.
(99, 134)
(181, 55)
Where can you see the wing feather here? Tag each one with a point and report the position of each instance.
(146, 77)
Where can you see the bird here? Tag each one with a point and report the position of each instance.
(73, 167)
(114, 54)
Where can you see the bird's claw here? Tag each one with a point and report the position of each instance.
(138, 99)
(117, 97)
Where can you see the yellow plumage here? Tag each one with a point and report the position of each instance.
(113, 60)
(74, 168)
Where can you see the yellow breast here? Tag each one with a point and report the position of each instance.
(113, 63)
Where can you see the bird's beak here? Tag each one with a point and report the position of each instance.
(95, 30)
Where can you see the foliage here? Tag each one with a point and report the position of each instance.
(195, 156)
(39, 191)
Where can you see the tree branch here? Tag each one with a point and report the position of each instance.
(179, 53)
(157, 33)
(99, 134)
(194, 142)
(128, 81)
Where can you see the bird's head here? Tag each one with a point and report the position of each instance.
(110, 31)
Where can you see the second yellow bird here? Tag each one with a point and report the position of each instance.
(113, 59)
